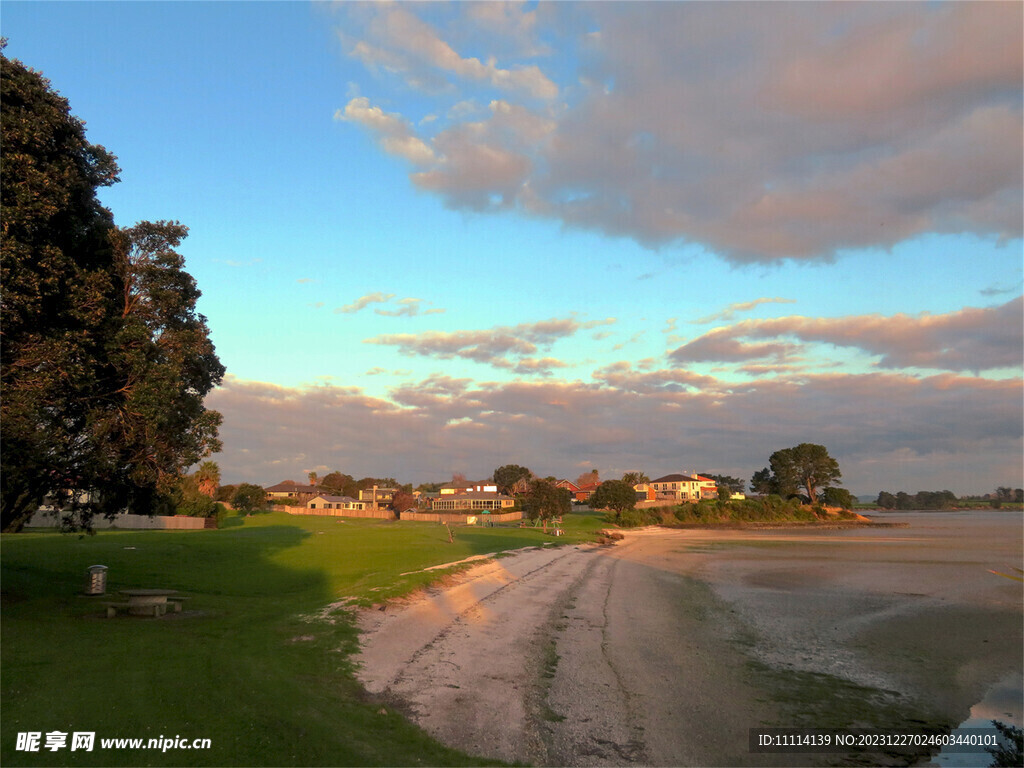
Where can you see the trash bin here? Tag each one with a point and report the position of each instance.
(97, 583)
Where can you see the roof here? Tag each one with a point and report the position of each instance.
(683, 478)
(480, 495)
(288, 485)
(325, 497)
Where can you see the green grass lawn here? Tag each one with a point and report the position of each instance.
(254, 663)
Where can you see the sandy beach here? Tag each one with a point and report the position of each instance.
(666, 648)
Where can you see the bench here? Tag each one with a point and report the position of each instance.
(114, 608)
(176, 601)
(155, 609)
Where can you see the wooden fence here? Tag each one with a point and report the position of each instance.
(376, 514)
(466, 517)
(51, 519)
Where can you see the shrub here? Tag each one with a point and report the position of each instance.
(636, 518)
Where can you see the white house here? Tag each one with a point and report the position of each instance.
(685, 487)
(334, 502)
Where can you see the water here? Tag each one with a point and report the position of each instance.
(1004, 702)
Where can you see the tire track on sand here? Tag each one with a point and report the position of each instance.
(463, 661)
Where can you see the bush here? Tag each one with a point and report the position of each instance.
(248, 498)
(219, 513)
(635, 518)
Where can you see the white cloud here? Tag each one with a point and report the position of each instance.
(765, 132)
(362, 302)
(393, 132)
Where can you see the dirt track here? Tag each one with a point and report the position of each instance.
(551, 657)
(640, 653)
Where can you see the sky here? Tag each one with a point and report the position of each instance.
(437, 238)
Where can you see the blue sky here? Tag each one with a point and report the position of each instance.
(438, 238)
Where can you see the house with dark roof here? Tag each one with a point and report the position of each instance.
(325, 501)
(289, 489)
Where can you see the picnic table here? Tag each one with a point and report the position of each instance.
(146, 602)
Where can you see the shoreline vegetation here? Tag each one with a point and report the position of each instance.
(759, 512)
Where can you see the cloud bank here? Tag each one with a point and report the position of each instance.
(761, 131)
(945, 431)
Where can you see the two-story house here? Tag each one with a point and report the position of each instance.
(377, 497)
(681, 487)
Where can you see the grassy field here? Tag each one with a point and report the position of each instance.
(254, 663)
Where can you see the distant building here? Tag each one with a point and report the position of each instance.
(579, 492)
(289, 489)
(377, 497)
(645, 492)
(477, 500)
(684, 487)
(334, 502)
(484, 486)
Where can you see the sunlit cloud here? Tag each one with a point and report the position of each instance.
(763, 132)
(968, 428)
(972, 339)
(744, 306)
(504, 347)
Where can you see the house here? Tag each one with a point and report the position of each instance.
(579, 493)
(377, 497)
(289, 489)
(645, 492)
(477, 500)
(680, 487)
(325, 501)
(569, 485)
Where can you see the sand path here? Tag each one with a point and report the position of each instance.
(551, 657)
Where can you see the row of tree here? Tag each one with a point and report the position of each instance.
(105, 361)
(943, 499)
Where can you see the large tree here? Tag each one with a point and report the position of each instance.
(511, 478)
(732, 484)
(544, 500)
(806, 466)
(340, 484)
(105, 362)
(617, 495)
(248, 498)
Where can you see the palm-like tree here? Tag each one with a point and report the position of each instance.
(208, 477)
(635, 478)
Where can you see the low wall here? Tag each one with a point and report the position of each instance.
(375, 514)
(657, 503)
(468, 517)
(51, 519)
